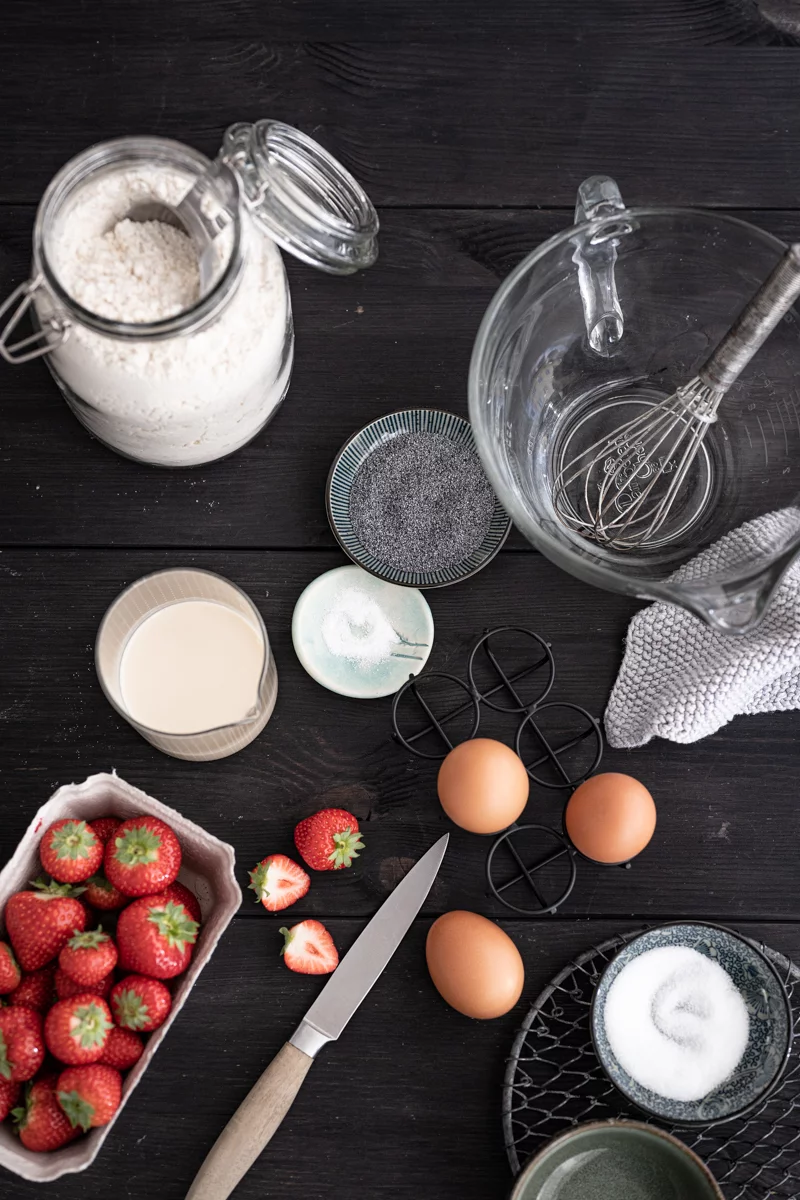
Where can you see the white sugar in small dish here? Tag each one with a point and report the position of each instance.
(360, 636)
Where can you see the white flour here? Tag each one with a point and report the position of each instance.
(357, 628)
(186, 399)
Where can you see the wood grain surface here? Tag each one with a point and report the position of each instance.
(471, 126)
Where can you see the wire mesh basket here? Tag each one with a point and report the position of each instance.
(554, 1081)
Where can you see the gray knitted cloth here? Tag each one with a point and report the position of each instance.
(682, 680)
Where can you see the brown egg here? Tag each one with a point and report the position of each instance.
(610, 818)
(474, 966)
(483, 786)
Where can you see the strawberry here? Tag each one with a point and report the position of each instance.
(103, 895)
(140, 1003)
(104, 827)
(279, 882)
(89, 1095)
(142, 857)
(21, 1043)
(70, 851)
(88, 957)
(308, 948)
(123, 1048)
(329, 840)
(10, 974)
(36, 989)
(76, 1030)
(41, 1122)
(9, 1095)
(40, 922)
(155, 936)
(66, 986)
(177, 891)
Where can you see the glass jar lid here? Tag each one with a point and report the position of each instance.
(304, 199)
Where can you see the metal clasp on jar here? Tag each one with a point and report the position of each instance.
(41, 342)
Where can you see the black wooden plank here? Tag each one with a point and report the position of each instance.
(475, 121)
(715, 853)
(406, 1105)
(400, 335)
(665, 23)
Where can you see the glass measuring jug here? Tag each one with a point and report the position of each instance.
(596, 326)
(152, 594)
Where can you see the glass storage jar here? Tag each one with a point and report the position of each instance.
(197, 384)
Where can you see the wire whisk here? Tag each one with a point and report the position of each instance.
(622, 489)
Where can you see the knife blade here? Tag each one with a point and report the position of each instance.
(260, 1114)
(367, 957)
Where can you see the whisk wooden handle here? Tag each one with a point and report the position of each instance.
(755, 323)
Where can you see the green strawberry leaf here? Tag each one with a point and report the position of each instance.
(6, 1067)
(90, 939)
(137, 846)
(100, 881)
(89, 1025)
(73, 841)
(174, 924)
(258, 881)
(79, 1111)
(130, 1009)
(287, 937)
(52, 888)
(347, 845)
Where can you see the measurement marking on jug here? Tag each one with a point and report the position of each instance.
(764, 437)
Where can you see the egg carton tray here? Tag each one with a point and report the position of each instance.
(554, 1081)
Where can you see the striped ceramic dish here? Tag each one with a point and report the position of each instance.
(350, 459)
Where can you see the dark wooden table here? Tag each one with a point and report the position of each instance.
(471, 127)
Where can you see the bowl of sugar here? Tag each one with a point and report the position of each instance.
(692, 1023)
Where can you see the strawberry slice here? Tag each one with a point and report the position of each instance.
(308, 949)
(279, 882)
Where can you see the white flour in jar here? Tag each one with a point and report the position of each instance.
(189, 398)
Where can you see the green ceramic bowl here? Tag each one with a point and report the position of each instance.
(616, 1160)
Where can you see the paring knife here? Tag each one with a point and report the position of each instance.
(259, 1115)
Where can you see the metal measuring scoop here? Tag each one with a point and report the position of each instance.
(203, 213)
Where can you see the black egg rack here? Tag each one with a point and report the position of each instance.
(507, 682)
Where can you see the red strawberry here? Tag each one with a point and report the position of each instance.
(88, 957)
(279, 882)
(104, 827)
(40, 922)
(329, 840)
(9, 1095)
(89, 1095)
(66, 987)
(155, 936)
(177, 891)
(70, 851)
(42, 1123)
(76, 1030)
(142, 857)
(10, 974)
(309, 949)
(21, 1043)
(123, 1048)
(103, 895)
(140, 1003)
(36, 989)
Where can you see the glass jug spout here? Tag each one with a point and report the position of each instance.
(734, 606)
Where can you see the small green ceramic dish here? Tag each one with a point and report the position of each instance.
(616, 1160)
(770, 1036)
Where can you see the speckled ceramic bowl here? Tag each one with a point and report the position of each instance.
(346, 466)
(616, 1160)
(770, 1036)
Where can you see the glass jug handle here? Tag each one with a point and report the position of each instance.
(595, 256)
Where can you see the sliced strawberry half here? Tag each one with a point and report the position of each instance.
(278, 882)
(308, 949)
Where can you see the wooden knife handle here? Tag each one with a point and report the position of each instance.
(252, 1125)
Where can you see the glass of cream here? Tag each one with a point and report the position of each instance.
(183, 655)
